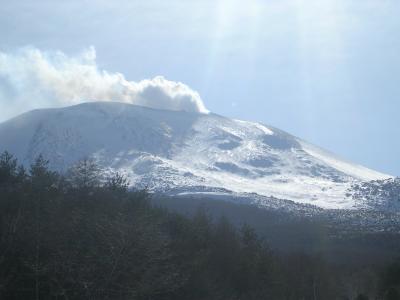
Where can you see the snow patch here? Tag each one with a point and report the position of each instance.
(351, 169)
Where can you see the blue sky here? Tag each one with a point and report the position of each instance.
(325, 70)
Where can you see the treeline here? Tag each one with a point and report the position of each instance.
(85, 235)
(339, 236)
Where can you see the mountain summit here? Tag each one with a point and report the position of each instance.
(186, 153)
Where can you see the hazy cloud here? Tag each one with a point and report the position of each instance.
(31, 78)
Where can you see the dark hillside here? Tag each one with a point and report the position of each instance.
(86, 236)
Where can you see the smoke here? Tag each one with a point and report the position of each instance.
(31, 78)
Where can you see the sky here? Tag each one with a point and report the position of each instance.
(324, 70)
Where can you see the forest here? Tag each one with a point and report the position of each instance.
(85, 234)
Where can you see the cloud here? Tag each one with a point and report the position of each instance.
(30, 78)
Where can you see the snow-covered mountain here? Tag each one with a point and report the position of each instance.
(181, 152)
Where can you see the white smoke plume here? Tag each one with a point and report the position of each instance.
(31, 78)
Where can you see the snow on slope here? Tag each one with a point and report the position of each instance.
(185, 152)
(354, 170)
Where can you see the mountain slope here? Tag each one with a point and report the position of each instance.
(180, 152)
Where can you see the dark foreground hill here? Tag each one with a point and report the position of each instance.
(86, 236)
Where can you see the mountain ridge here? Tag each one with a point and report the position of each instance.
(186, 152)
